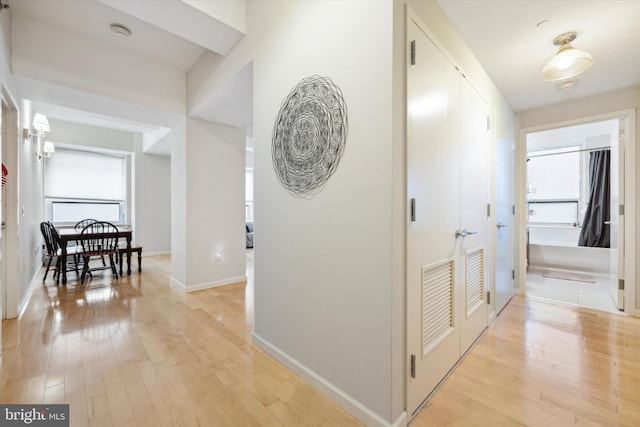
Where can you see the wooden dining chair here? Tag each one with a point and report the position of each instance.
(52, 246)
(99, 246)
(83, 223)
(80, 225)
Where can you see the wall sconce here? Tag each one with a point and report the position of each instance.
(48, 149)
(41, 126)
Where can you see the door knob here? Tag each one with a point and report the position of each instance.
(464, 233)
(499, 225)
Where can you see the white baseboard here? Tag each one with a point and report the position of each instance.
(176, 284)
(27, 296)
(401, 421)
(347, 402)
(209, 285)
(145, 254)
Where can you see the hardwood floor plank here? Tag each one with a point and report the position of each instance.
(99, 413)
(139, 398)
(54, 394)
(119, 403)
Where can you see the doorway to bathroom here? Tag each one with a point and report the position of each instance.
(574, 213)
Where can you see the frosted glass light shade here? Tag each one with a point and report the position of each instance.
(568, 62)
(48, 149)
(40, 123)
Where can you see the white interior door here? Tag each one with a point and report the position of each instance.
(504, 223)
(474, 197)
(433, 185)
(447, 185)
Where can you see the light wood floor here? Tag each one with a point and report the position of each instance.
(135, 352)
(545, 364)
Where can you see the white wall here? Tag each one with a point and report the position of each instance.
(30, 208)
(69, 133)
(215, 227)
(592, 106)
(152, 201)
(177, 140)
(323, 265)
(207, 206)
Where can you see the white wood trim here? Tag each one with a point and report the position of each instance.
(209, 285)
(144, 254)
(630, 213)
(11, 307)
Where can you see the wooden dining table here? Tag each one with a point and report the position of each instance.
(71, 235)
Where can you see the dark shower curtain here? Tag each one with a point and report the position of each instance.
(594, 231)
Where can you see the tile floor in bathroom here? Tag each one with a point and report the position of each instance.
(591, 295)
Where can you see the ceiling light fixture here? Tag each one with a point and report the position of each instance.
(121, 29)
(568, 62)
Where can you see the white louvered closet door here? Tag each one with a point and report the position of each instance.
(447, 186)
(433, 182)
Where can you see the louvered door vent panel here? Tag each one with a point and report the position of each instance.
(474, 279)
(437, 303)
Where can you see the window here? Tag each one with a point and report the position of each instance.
(553, 186)
(85, 184)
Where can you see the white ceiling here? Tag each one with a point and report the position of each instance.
(505, 37)
(91, 19)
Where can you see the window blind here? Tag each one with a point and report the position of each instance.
(84, 175)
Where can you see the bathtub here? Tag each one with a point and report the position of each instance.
(552, 248)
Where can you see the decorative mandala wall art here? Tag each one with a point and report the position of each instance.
(309, 136)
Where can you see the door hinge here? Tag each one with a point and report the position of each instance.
(488, 123)
(413, 52)
(621, 300)
(513, 209)
(513, 275)
(413, 210)
(413, 366)
(620, 209)
(488, 210)
(489, 297)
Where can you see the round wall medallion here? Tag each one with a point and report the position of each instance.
(309, 135)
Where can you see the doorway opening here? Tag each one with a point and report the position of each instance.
(573, 213)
